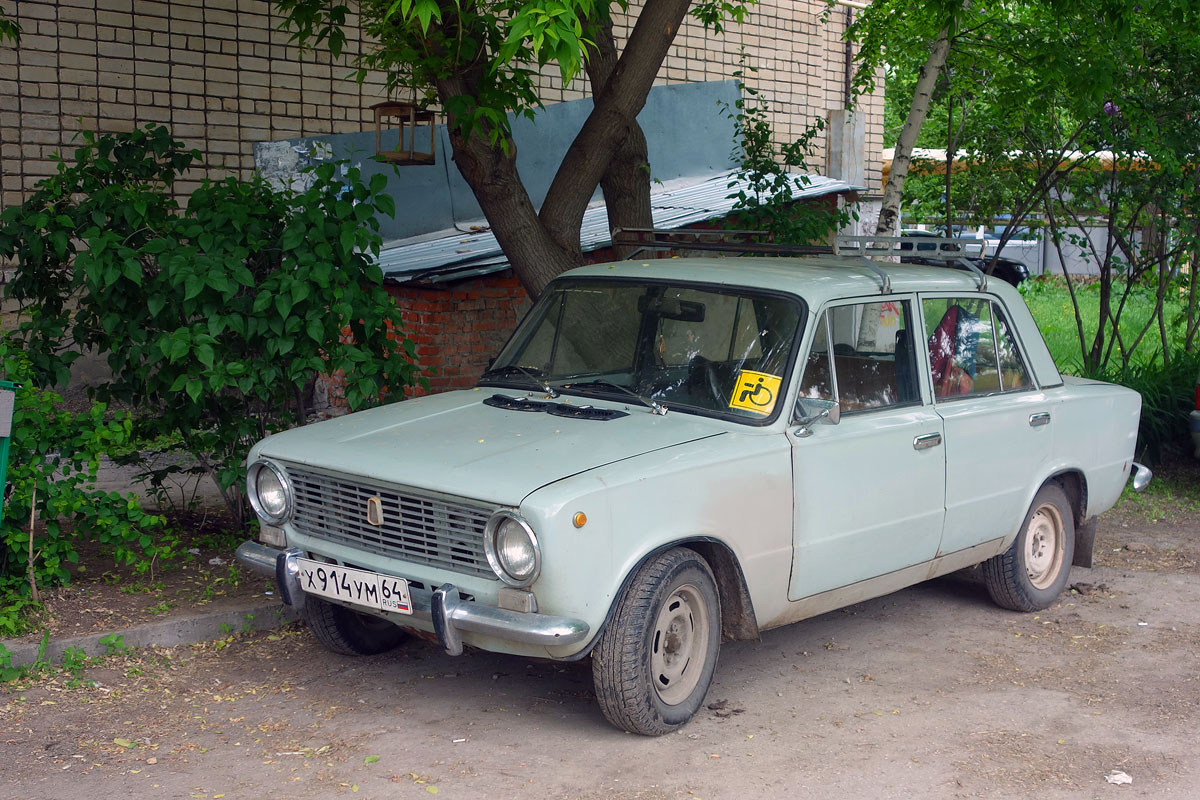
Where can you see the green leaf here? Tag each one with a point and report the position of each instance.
(180, 345)
(291, 238)
(385, 204)
(193, 286)
(204, 354)
(315, 330)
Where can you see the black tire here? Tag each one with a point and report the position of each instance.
(656, 659)
(1031, 574)
(348, 632)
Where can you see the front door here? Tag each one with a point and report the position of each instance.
(869, 491)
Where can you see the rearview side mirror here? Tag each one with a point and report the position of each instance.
(831, 414)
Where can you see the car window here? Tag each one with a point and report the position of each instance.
(862, 358)
(971, 348)
(714, 350)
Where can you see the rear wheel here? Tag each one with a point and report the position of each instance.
(1031, 574)
(656, 659)
(349, 632)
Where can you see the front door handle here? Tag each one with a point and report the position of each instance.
(926, 441)
(1042, 418)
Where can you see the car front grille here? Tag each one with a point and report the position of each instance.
(425, 529)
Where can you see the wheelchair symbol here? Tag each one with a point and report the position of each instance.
(756, 394)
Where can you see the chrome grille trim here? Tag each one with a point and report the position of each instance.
(424, 528)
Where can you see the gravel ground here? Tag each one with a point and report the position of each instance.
(929, 692)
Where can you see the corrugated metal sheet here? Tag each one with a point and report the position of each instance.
(457, 255)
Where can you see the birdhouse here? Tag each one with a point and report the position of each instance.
(410, 120)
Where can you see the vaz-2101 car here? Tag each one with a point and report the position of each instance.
(671, 453)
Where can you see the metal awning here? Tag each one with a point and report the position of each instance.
(454, 255)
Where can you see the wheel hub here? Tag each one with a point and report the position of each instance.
(1044, 547)
(679, 640)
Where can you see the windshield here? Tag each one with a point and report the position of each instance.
(707, 350)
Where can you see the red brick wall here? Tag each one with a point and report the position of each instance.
(457, 327)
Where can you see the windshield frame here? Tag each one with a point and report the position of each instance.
(536, 315)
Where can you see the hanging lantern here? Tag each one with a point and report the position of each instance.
(411, 122)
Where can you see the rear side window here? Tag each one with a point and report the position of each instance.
(971, 348)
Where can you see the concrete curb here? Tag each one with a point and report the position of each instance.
(254, 615)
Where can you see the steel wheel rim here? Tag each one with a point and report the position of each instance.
(679, 645)
(1044, 547)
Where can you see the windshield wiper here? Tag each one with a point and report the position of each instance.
(655, 406)
(509, 369)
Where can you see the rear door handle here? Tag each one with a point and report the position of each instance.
(926, 441)
(1041, 418)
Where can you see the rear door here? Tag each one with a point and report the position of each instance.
(998, 424)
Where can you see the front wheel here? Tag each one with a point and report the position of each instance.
(348, 632)
(1031, 574)
(656, 659)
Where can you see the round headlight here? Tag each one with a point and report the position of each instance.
(269, 491)
(512, 549)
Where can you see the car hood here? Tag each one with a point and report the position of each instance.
(454, 444)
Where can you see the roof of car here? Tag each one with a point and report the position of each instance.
(815, 278)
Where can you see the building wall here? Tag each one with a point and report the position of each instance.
(222, 76)
(457, 328)
(784, 50)
(218, 72)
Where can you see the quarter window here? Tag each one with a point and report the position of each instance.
(971, 348)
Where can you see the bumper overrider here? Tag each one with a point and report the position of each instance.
(447, 613)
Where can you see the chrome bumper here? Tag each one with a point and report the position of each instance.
(442, 608)
(1141, 476)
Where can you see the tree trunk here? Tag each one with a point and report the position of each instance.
(626, 181)
(492, 175)
(889, 212)
(615, 114)
(609, 147)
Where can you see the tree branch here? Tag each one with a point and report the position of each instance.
(625, 182)
(615, 111)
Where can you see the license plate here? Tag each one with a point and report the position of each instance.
(357, 586)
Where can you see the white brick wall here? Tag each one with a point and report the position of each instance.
(222, 76)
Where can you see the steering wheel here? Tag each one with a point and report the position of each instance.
(711, 379)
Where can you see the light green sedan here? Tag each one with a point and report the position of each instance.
(672, 453)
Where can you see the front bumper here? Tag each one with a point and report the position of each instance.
(442, 609)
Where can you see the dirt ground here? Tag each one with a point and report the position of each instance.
(929, 692)
(104, 596)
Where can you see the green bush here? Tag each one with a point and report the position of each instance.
(1167, 389)
(214, 318)
(53, 459)
(1168, 396)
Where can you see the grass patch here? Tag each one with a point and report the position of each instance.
(1050, 303)
(1174, 493)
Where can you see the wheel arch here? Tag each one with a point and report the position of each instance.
(738, 622)
(1074, 484)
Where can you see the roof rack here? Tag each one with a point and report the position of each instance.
(933, 248)
(859, 250)
(710, 240)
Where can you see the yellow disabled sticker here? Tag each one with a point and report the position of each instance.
(755, 391)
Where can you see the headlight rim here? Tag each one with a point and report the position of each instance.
(493, 558)
(252, 492)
